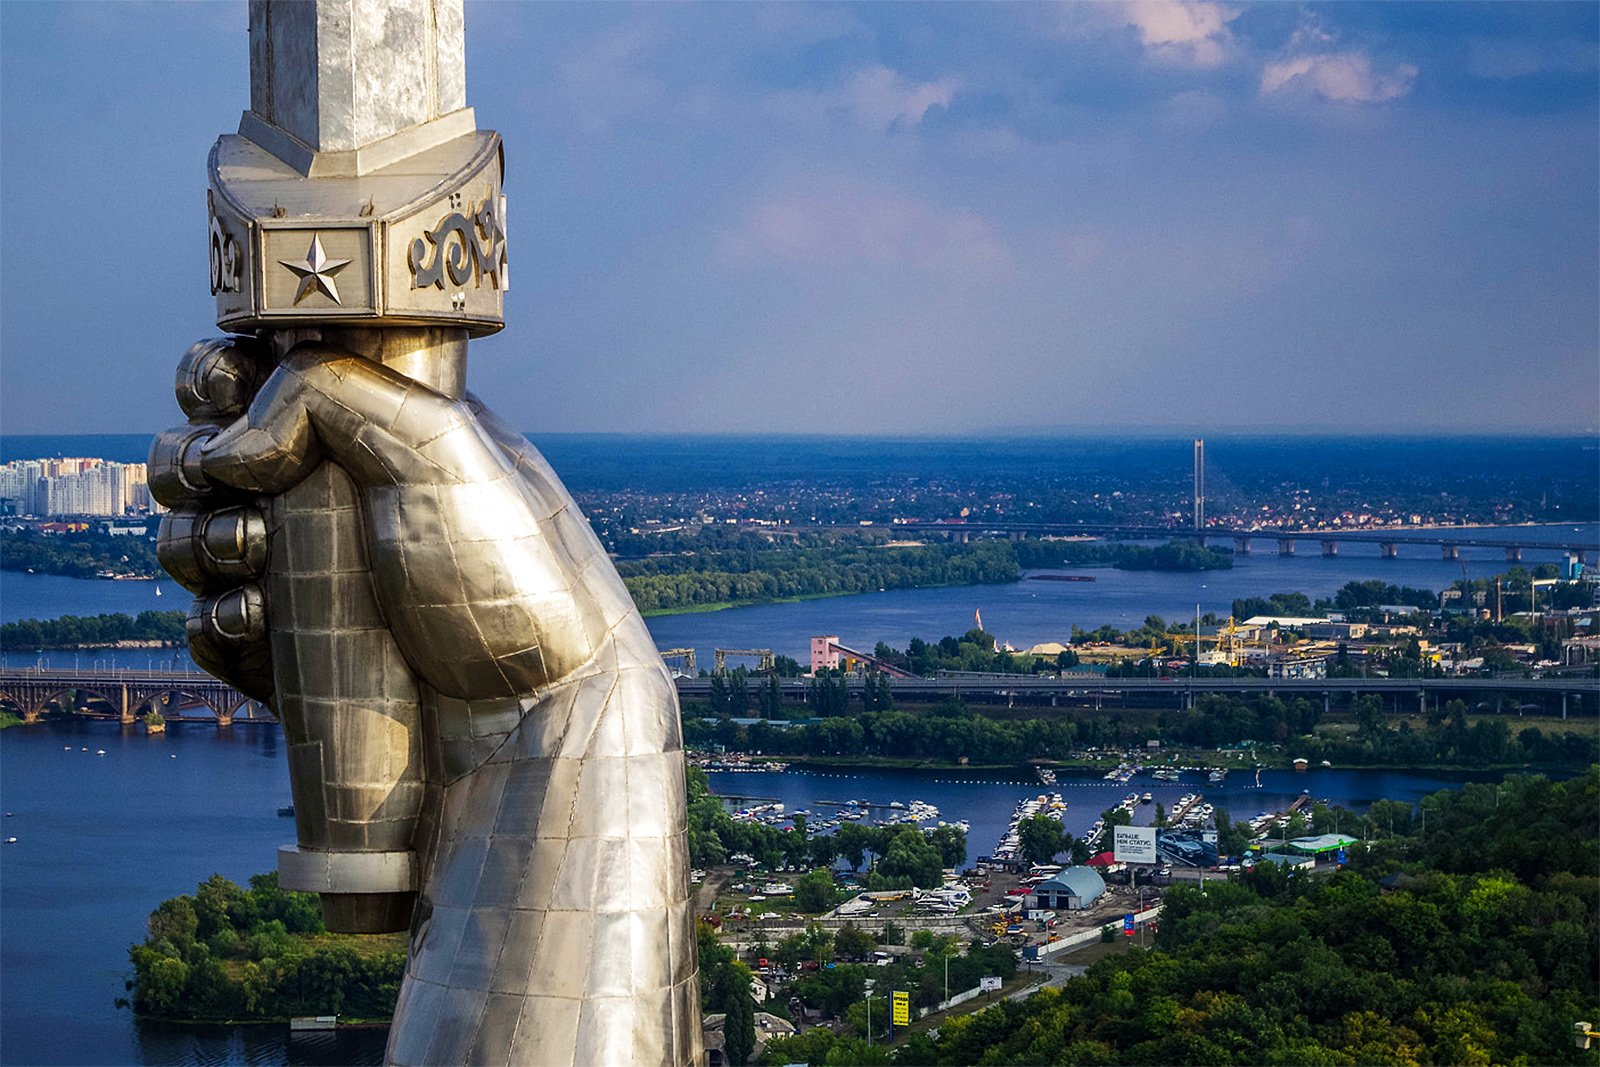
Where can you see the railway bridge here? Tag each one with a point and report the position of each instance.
(125, 695)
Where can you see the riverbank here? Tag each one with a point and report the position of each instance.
(1026, 772)
(724, 605)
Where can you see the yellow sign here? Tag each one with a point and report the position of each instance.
(902, 1008)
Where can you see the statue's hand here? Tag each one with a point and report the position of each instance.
(475, 583)
(214, 540)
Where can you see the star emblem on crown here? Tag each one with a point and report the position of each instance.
(317, 272)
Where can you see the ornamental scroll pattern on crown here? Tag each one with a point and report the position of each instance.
(226, 260)
(463, 247)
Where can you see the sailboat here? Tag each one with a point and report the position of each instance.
(158, 590)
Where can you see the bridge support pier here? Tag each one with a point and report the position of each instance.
(1285, 546)
(1241, 546)
(1330, 548)
(1450, 551)
(125, 715)
(1327, 703)
(1018, 535)
(1390, 550)
(1563, 707)
(1514, 554)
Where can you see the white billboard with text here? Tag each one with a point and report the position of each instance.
(1134, 844)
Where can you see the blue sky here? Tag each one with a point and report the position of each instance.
(896, 218)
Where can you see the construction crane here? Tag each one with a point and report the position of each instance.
(686, 655)
(766, 662)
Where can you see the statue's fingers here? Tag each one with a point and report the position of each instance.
(207, 551)
(218, 377)
(175, 475)
(228, 639)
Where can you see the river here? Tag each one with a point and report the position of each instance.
(1023, 613)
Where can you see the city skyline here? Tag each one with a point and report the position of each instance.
(905, 219)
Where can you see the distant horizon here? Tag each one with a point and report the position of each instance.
(1150, 433)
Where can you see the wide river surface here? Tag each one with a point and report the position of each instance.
(101, 839)
(1022, 613)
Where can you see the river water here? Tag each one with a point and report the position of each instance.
(102, 839)
(1023, 613)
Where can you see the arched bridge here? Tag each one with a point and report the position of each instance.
(127, 694)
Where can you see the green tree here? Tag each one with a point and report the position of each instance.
(732, 996)
(912, 860)
(814, 892)
(1041, 838)
(951, 841)
(853, 943)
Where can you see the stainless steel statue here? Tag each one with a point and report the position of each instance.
(483, 742)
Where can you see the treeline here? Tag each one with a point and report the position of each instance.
(259, 953)
(75, 631)
(751, 570)
(947, 733)
(950, 732)
(1353, 598)
(1360, 600)
(665, 583)
(78, 555)
(907, 856)
(1484, 947)
(975, 650)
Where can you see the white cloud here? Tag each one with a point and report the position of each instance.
(1343, 76)
(882, 97)
(875, 97)
(845, 223)
(1182, 31)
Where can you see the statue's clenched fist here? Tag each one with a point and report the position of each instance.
(482, 739)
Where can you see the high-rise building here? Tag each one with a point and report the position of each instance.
(73, 486)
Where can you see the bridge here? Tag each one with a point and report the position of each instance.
(1389, 541)
(125, 695)
(129, 693)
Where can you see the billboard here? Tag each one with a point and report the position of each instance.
(1133, 844)
(902, 1008)
(1187, 848)
(989, 983)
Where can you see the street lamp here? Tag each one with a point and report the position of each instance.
(869, 1018)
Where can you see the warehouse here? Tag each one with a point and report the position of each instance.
(1073, 890)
